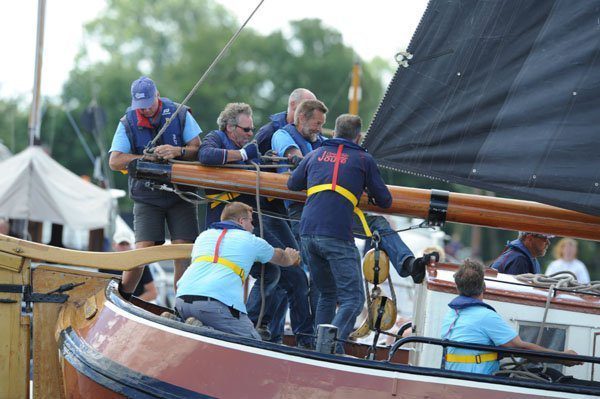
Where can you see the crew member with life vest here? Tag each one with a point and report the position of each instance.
(151, 208)
(471, 320)
(520, 255)
(335, 176)
(292, 288)
(232, 144)
(212, 288)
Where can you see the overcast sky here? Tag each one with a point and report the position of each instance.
(372, 28)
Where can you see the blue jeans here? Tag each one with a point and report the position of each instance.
(335, 268)
(292, 280)
(295, 212)
(391, 243)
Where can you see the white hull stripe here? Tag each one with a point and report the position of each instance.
(344, 367)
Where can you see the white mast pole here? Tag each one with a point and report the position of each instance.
(36, 109)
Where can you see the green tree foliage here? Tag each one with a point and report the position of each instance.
(13, 124)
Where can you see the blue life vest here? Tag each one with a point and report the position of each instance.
(265, 134)
(140, 136)
(304, 145)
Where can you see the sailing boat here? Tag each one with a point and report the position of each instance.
(110, 347)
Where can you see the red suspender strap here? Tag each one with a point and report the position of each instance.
(336, 167)
(216, 255)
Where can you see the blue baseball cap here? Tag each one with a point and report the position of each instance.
(143, 93)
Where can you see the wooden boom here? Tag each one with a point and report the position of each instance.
(433, 205)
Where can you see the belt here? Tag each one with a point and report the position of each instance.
(481, 358)
(193, 298)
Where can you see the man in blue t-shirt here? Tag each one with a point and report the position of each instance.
(212, 288)
(152, 209)
(471, 320)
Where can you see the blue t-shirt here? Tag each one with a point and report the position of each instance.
(121, 142)
(281, 142)
(218, 281)
(475, 325)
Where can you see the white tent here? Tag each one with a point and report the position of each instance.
(35, 187)
(4, 152)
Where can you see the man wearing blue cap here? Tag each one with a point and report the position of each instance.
(520, 255)
(151, 208)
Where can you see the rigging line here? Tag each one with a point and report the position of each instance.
(203, 77)
(261, 313)
(84, 144)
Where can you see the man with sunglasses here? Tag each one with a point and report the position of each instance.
(520, 255)
(231, 143)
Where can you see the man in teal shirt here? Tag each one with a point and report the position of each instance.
(470, 320)
(212, 288)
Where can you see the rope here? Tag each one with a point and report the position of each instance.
(260, 228)
(563, 281)
(203, 77)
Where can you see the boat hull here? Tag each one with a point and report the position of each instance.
(135, 354)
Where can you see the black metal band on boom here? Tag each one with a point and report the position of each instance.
(157, 172)
(438, 207)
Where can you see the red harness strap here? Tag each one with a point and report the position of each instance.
(336, 167)
(216, 255)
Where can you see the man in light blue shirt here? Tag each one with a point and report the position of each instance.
(212, 288)
(148, 115)
(470, 320)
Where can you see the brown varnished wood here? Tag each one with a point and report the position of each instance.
(476, 210)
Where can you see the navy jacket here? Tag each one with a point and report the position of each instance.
(213, 151)
(516, 259)
(265, 133)
(327, 213)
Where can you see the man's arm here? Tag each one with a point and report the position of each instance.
(212, 152)
(187, 152)
(518, 343)
(298, 179)
(287, 257)
(376, 186)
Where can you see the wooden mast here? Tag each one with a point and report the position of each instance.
(470, 209)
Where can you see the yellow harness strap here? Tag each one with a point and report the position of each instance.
(223, 262)
(220, 197)
(346, 194)
(481, 358)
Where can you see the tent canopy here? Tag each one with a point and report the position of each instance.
(35, 187)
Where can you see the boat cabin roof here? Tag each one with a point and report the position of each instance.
(507, 288)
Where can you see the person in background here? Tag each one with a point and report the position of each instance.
(145, 289)
(520, 255)
(152, 208)
(212, 288)
(471, 320)
(565, 260)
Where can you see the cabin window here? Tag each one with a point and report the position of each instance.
(553, 337)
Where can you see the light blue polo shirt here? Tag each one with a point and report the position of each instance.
(218, 281)
(121, 142)
(475, 325)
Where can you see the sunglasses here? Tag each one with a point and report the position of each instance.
(246, 129)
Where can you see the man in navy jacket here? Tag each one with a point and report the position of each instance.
(520, 255)
(335, 175)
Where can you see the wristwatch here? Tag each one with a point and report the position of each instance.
(182, 152)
